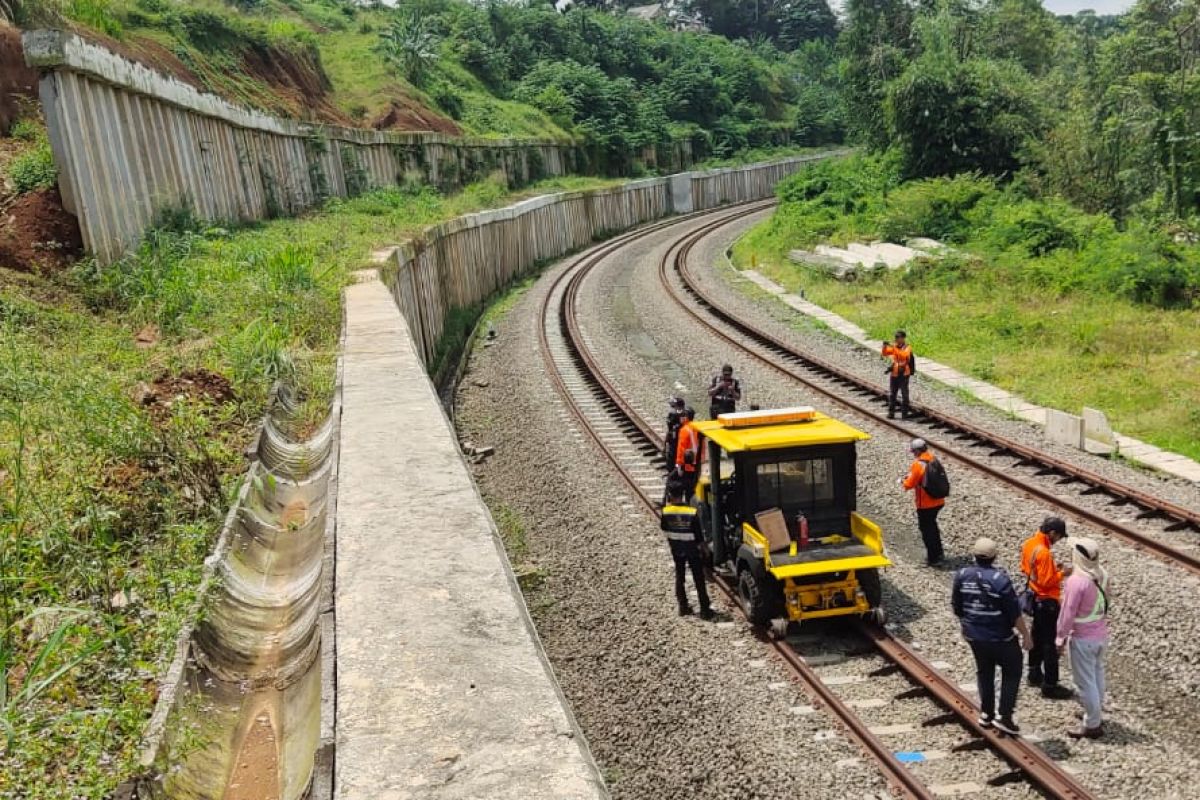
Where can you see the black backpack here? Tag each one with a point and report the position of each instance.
(935, 481)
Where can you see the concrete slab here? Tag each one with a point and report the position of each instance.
(1064, 428)
(1096, 427)
(443, 690)
(762, 281)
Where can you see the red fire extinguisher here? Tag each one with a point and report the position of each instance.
(802, 529)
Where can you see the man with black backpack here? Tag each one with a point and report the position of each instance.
(986, 603)
(928, 481)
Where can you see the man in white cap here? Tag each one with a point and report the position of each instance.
(985, 601)
(926, 478)
(1083, 625)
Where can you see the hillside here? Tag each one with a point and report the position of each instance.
(448, 65)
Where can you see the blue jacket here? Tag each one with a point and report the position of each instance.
(986, 602)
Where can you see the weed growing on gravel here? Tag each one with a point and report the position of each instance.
(127, 394)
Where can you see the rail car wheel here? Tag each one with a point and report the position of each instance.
(755, 597)
(872, 587)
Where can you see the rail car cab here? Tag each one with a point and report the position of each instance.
(778, 510)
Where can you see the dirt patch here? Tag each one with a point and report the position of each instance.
(298, 85)
(405, 115)
(198, 385)
(37, 233)
(18, 83)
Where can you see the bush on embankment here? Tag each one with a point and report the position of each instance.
(1058, 305)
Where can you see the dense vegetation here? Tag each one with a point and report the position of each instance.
(1099, 110)
(633, 90)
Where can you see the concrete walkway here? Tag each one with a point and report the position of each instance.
(1133, 449)
(443, 690)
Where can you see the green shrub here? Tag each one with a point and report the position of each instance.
(33, 169)
(1040, 227)
(26, 130)
(98, 14)
(937, 208)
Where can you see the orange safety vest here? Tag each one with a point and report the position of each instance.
(1037, 564)
(913, 481)
(901, 359)
(688, 440)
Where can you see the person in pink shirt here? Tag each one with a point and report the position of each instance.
(1083, 626)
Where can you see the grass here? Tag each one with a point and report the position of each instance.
(110, 496)
(758, 154)
(1043, 323)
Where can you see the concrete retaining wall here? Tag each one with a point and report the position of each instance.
(130, 142)
(461, 263)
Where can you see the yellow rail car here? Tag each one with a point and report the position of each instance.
(782, 517)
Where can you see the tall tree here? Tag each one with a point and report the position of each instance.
(876, 46)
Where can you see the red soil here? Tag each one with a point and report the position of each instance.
(36, 233)
(18, 83)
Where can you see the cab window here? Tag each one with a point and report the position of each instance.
(787, 484)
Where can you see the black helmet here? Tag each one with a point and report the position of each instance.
(1054, 525)
(727, 369)
(689, 412)
(676, 402)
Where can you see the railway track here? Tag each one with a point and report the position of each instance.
(634, 449)
(1028, 470)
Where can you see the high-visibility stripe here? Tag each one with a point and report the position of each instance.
(1100, 607)
(680, 536)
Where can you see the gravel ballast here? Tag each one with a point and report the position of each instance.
(651, 348)
(677, 707)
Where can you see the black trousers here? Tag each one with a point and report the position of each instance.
(669, 448)
(898, 386)
(689, 481)
(1043, 658)
(687, 554)
(931, 534)
(721, 407)
(1006, 656)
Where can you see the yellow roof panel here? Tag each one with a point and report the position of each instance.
(821, 429)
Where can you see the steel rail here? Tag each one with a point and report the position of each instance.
(960, 428)
(897, 776)
(1025, 758)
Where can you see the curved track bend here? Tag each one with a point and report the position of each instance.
(634, 448)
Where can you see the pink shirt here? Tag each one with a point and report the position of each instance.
(1078, 602)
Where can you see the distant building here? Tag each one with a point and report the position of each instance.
(673, 13)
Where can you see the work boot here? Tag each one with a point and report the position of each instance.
(1008, 725)
(1035, 679)
(1086, 733)
(706, 614)
(1057, 691)
(685, 611)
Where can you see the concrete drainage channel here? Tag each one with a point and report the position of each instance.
(246, 710)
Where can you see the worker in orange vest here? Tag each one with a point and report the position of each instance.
(928, 506)
(899, 371)
(687, 454)
(1042, 598)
